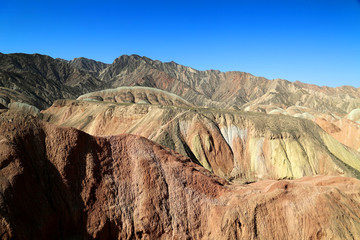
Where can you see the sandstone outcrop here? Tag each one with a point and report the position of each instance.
(232, 144)
(61, 183)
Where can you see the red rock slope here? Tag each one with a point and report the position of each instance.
(61, 183)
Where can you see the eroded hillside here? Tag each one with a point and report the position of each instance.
(63, 182)
(233, 144)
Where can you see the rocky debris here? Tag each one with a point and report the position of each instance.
(61, 183)
(232, 144)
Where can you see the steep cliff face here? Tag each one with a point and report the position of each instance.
(233, 144)
(63, 183)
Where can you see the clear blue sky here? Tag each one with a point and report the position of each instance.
(313, 41)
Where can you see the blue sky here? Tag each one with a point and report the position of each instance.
(313, 41)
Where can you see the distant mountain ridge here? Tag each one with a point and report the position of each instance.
(46, 79)
(43, 79)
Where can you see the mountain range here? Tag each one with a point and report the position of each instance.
(144, 149)
(44, 79)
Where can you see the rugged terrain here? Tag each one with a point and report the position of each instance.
(344, 128)
(142, 149)
(232, 89)
(47, 79)
(39, 80)
(233, 144)
(61, 183)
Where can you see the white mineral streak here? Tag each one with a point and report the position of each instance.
(232, 132)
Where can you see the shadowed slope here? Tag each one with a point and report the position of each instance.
(63, 183)
(43, 79)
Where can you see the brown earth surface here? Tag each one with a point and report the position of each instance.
(61, 183)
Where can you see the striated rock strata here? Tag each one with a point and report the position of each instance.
(144, 95)
(232, 144)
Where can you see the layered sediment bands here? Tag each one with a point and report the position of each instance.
(143, 95)
(344, 130)
(232, 144)
(61, 182)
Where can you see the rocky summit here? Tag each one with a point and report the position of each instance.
(144, 149)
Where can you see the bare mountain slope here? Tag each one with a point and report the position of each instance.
(88, 65)
(48, 79)
(230, 89)
(43, 79)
